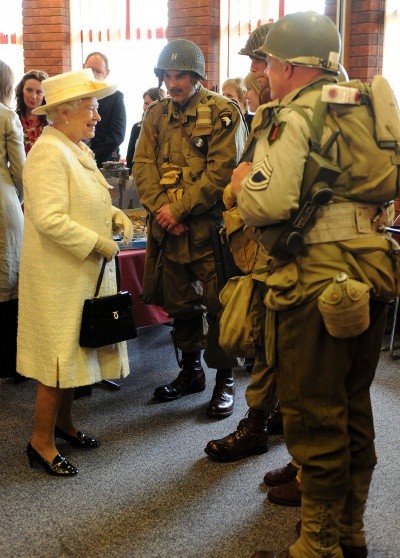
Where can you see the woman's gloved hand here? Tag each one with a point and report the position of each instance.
(121, 222)
(106, 247)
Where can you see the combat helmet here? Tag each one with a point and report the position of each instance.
(182, 55)
(256, 40)
(305, 39)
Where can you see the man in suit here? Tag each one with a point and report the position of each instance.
(110, 131)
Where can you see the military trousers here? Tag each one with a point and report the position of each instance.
(261, 390)
(191, 297)
(324, 392)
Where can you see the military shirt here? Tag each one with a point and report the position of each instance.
(271, 192)
(203, 141)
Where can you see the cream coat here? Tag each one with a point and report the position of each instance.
(12, 157)
(67, 205)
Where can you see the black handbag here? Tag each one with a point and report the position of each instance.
(107, 319)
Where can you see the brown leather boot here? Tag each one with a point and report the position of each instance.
(348, 551)
(275, 421)
(354, 551)
(281, 475)
(288, 494)
(250, 438)
(191, 379)
(223, 397)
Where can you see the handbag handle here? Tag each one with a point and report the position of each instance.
(100, 279)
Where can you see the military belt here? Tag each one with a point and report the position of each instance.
(345, 221)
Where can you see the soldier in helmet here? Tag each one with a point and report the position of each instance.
(258, 63)
(323, 375)
(189, 144)
(263, 417)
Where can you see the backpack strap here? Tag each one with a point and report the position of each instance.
(316, 124)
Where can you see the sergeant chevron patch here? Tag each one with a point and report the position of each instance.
(261, 176)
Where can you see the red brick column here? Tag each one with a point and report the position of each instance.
(46, 35)
(198, 21)
(363, 37)
(366, 39)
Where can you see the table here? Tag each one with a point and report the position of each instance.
(131, 266)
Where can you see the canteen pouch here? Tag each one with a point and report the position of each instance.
(344, 306)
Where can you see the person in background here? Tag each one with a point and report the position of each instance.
(323, 375)
(69, 227)
(29, 95)
(110, 131)
(12, 158)
(234, 88)
(187, 148)
(149, 96)
(252, 95)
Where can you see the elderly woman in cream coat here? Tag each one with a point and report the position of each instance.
(69, 226)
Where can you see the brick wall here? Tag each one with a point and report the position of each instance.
(363, 36)
(366, 38)
(46, 34)
(198, 21)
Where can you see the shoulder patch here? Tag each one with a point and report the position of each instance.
(276, 132)
(226, 118)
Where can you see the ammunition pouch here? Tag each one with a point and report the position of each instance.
(170, 179)
(174, 194)
(243, 246)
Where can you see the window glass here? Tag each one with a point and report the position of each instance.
(130, 36)
(11, 51)
(391, 46)
(240, 17)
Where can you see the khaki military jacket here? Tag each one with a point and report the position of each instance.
(349, 242)
(185, 157)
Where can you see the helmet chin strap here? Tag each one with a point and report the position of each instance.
(160, 82)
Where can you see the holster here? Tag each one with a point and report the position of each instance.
(287, 239)
(152, 292)
(225, 265)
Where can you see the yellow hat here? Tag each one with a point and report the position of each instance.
(70, 86)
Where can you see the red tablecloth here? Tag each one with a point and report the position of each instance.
(131, 265)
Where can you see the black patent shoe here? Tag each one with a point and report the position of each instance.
(59, 467)
(185, 383)
(81, 440)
